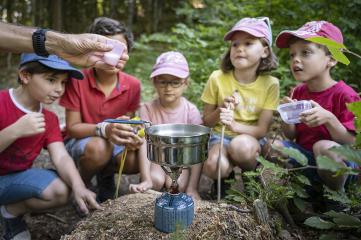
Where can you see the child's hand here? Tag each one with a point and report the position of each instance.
(226, 116)
(287, 100)
(120, 134)
(135, 143)
(85, 199)
(30, 124)
(315, 116)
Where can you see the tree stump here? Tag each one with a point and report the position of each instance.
(131, 217)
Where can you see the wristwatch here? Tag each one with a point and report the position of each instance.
(39, 42)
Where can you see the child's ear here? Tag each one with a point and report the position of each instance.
(24, 76)
(266, 52)
(331, 63)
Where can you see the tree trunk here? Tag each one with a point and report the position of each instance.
(9, 18)
(57, 14)
(130, 14)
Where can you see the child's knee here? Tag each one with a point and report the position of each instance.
(244, 148)
(57, 192)
(322, 147)
(158, 181)
(98, 151)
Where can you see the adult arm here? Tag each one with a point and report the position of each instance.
(85, 50)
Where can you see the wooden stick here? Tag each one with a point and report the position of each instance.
(219, 166)
(56, 218)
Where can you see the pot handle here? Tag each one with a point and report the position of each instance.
(124, 121)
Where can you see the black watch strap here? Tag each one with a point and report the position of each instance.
(39, 42)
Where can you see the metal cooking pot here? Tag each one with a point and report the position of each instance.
(174, 145)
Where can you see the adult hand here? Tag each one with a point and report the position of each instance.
(316, 116)
(85, 199)
(30, 124)
(85, 50)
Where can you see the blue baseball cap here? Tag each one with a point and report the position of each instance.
(53, 62)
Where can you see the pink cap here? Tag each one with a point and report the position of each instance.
(310, 29)
(172, 63)
(258, 27)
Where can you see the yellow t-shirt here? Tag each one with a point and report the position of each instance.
(254, 97)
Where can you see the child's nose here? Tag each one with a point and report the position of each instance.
(59, 87)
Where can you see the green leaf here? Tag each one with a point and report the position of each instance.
(338, 55)
(348, 153)
(326, 42)
(328, 236)
(329, 164)
(300, 204)
(344, 220)
(300, 192)
(355, 108)
(303, 179)
(319, 223)
(338, 196)
(358, 141)
(295, 154)
(334, 47)
(269, 165)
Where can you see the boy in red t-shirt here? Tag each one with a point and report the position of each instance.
(329, 123)
(103, 94)
(25, 128)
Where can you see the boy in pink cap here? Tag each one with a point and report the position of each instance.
(170, 78)
(242, 96)
(329, 123)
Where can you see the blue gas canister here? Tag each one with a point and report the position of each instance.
(173, 211)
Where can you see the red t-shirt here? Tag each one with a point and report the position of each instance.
(85, 97)
(20, 155)
(333, 99)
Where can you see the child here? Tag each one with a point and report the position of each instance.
(25, 128)
(243, 83)
(103, 94)
(328, 123)
(170, 78)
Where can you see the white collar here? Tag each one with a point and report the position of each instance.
(18, 105)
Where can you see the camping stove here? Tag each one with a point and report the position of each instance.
(175, 147)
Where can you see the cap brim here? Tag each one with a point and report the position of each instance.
(170, 71)
(283, 39)
(251, 31)
(73, 72)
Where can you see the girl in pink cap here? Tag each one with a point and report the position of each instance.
(170, 78)
(242, 96)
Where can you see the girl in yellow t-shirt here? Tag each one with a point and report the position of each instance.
(242, 96)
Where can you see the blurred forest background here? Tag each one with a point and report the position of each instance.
(193, 27)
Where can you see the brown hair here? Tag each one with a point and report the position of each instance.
(266, 65)
(38, 68)
(110, 27)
